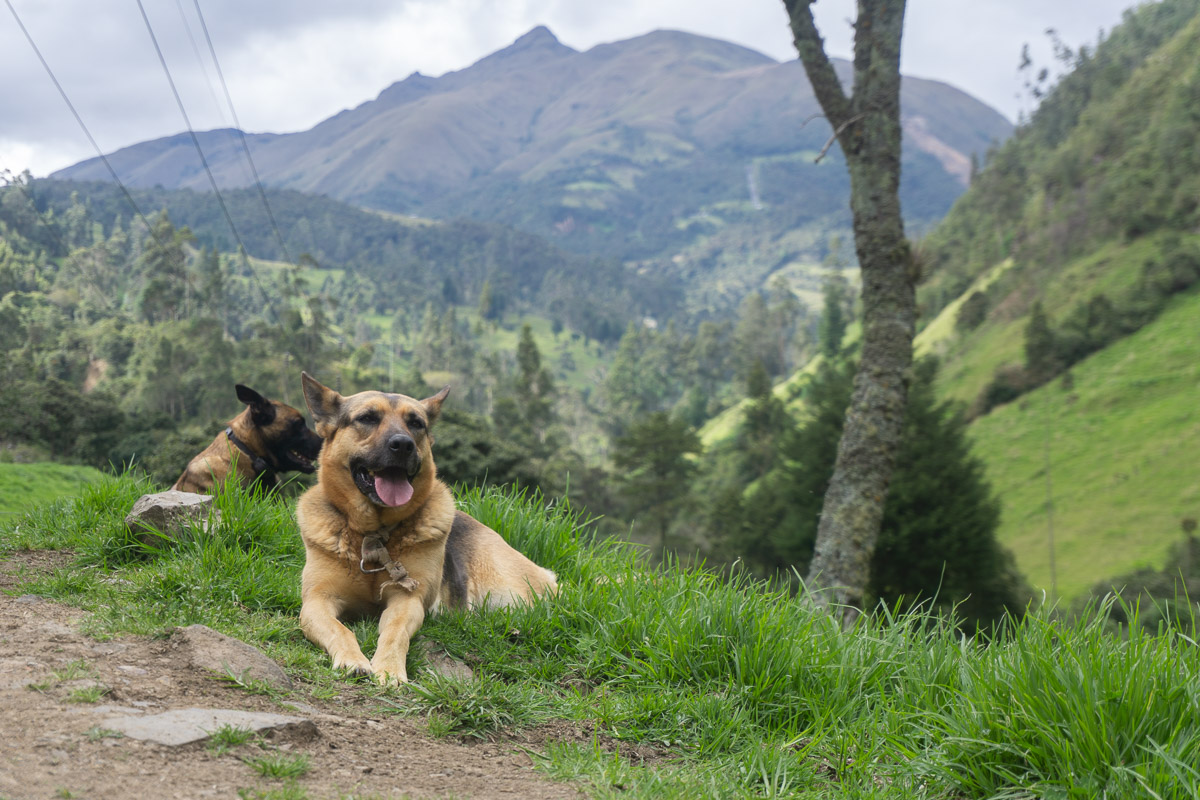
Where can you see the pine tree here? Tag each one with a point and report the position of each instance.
(937, 543)
(524, 410)
(164, 263)
(792, 496)
(752, 339)
(655, 471)
(937, 540)
(834, 318)
(1041, 359)
(485, 301)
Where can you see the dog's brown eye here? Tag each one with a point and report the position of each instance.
(368, 418)
(416, 423)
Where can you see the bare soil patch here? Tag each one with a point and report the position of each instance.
(57, 687)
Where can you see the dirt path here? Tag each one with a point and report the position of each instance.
(54, 744)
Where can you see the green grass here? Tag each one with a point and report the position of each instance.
(289, 791)
(790, 390)
(280, 765)
(476, 708)
(75, 670)
(25, 485)
(96, 733)
(227, 737)
(936, 336)
(1122, 443)
(731, 689)
(88, 694)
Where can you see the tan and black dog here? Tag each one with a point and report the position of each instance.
(382, 536)
(265, 439)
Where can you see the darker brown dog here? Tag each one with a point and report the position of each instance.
(265, 439)
(382, 537)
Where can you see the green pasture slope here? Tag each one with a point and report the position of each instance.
(25, 485)
(742, 692)
(1123, 440)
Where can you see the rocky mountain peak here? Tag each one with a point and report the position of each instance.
(536, 42)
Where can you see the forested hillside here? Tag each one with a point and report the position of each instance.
(1072, 265)
(384, 262)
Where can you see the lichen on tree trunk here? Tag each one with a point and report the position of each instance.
(867, 126)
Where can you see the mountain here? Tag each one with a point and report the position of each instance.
(641, 149)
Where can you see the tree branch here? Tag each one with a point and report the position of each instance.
(821, 74)
(810, 118)
(834, 137)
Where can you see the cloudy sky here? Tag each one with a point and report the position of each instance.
(291, 63)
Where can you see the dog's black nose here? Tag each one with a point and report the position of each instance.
(401, 445)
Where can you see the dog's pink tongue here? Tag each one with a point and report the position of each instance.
(393, 491)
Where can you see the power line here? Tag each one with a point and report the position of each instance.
(187, 27)
(208, 84)
(200, 152)
(238, 127)
(79, 119)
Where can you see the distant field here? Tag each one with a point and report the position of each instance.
(1123, 443)
(26, 485)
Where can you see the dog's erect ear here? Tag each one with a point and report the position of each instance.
(323, 403)
(250, 397)
(261, 409)
(433, 405)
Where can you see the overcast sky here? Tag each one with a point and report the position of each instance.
(292, 63)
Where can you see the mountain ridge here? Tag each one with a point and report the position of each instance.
(570, 144)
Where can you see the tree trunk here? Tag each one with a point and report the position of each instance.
(867, 126)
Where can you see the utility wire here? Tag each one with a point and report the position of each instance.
(187, 27)
(79, 119)
(199, 151)
(208, 84)
(238, 127)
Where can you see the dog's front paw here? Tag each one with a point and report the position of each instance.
(406, 583)
(355, 665)
(389, 674)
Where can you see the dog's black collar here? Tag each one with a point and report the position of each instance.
(259, 464)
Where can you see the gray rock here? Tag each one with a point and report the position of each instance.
(106, 710)
(168, 514)
(187, 725)
(205, 648)
(446, 666)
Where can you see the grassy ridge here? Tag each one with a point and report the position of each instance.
(1122, 442)
(25, 485)
(747, 693)
(970, 360)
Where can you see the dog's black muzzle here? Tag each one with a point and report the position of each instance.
(396, 457)
(299, 452)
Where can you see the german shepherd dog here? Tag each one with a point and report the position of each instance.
(265, 439)
(382, 537)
